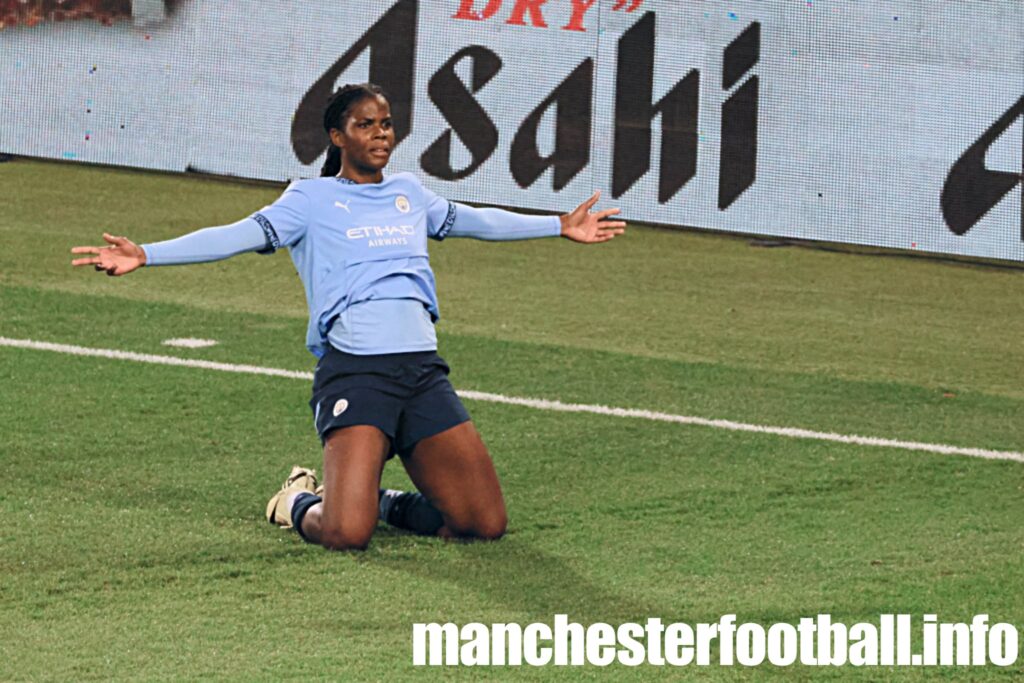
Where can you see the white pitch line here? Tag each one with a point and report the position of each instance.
(190, 343)
(152, 358)
(539, 404)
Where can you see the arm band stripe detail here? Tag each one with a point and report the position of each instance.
(449, 221)
(273, 242)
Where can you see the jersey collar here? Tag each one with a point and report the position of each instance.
(346, 181)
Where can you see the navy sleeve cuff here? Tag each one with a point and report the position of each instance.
(449, 221)
(273, 242)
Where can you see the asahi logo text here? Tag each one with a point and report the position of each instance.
(972, 189)
(680, 111)
(391, 43)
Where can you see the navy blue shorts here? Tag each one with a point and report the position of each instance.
(405, 395)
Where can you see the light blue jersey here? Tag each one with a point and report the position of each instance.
(361, 252)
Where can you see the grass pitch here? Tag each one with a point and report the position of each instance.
(134, 543)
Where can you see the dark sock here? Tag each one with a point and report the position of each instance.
(300, 507)
(412, 512)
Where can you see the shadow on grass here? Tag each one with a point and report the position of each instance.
(520, 580)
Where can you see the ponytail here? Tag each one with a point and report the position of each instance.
(332, 166)
(338, 107)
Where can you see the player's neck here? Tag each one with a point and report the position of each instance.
(362, 177)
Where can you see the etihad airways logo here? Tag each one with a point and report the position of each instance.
(380, 231)
(382, 235)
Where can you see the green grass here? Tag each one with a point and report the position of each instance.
(134, 545)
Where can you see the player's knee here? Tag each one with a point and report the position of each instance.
(489, 526)
(493, 528)
(346, 539)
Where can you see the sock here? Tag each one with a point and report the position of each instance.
(410, 511)
(300, 506)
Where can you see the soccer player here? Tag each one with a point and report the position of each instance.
(359, 243)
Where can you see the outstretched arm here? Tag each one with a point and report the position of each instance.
(282, 223)
(499, 225)
(122, 256)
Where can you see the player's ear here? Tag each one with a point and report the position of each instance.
(338, 138)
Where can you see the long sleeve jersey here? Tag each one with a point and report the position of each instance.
(361, 253)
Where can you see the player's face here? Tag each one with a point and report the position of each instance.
(368, 137)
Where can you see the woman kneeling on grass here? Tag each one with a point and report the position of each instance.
(359, 243)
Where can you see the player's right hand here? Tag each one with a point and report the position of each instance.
(120, 258)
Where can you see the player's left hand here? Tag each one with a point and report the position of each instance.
(120, 257)
(591, 228)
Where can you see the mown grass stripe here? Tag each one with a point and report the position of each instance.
(539, 404)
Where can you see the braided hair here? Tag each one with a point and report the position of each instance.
(338, 107)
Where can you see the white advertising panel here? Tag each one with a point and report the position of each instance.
(895, 124)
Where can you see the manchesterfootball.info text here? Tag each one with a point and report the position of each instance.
(902, 640)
